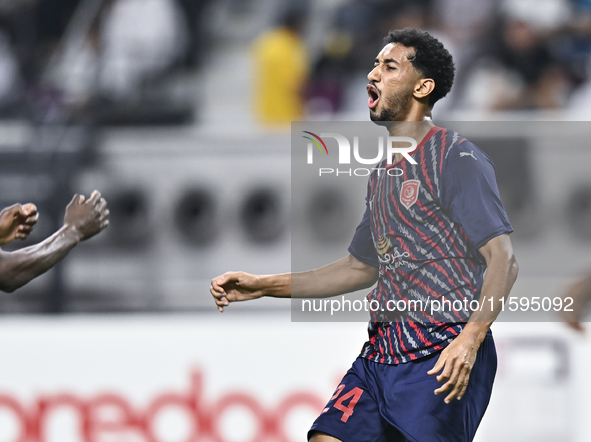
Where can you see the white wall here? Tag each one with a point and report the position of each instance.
(224, 375)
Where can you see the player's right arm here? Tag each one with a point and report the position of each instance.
(82, 221)
(343, 276)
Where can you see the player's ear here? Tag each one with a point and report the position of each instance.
(424, 87)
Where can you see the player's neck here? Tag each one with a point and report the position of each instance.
(414, 129)
(411, 128)
(415, 123)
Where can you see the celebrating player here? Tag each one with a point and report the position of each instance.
(418, 378)
(83, 220)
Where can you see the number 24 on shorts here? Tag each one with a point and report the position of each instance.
(347, 410)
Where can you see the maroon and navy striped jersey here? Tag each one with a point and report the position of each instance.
(422, 228)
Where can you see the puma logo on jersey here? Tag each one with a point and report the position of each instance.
(466, 154)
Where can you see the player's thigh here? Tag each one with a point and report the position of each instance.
(391, 434)
(352, 414)
(322, 437)
(420, 415)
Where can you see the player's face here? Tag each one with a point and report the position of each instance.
(391, 83)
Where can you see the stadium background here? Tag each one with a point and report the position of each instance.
(153, 102)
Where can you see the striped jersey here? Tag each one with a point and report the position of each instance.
(422, 229)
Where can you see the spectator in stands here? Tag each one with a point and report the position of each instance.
(10, 76)
(140, 40)
(346, 54)
(525, 54)
(197, 38)
(281, 70)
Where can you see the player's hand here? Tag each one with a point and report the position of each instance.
(87, 218)
(17, 222)
(580, 292)
(235, 286)
(455, 365)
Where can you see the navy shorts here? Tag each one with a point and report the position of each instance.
(395, 403)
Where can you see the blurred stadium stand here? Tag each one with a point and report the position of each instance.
(188, 205)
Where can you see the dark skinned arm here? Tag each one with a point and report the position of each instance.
(17, 222)
(83, 220)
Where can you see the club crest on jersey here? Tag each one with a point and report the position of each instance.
(409, 193)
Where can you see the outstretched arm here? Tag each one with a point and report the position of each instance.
(82, 221)
(456, 361)
(343, 276)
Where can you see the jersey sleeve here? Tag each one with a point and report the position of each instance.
(470, 195)
(362, 247)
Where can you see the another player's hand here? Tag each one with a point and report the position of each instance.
(87, 218)
(17, 221)
(455, 365)
(580, 292)
(235, 286)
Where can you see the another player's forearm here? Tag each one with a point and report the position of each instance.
(581, 290)
(19, 267)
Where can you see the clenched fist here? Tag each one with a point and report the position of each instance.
(87, 218)
(17, 221)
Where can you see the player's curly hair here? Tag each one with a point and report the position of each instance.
(431, 59)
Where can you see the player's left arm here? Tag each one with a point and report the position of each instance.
(457, 359)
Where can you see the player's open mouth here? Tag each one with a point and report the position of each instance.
(374, 96)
